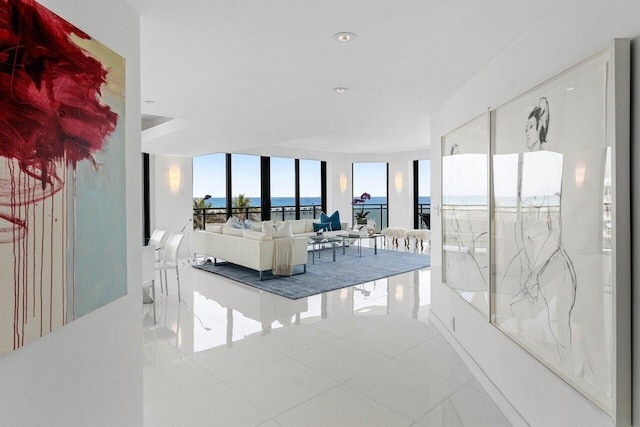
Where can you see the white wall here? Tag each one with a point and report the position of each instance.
(336, 199)
(90, 371)
(572, 32)
(401, 202)
(173, 208)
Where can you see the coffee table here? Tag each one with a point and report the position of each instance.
(318, 241)
(360, 238)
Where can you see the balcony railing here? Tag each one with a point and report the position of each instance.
(203, 216)
(424, 215)
(377, 212)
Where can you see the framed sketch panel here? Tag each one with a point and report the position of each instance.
(560, 278)
(465, 217)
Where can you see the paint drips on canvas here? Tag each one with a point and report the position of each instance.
(51, 118)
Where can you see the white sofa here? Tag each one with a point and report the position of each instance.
(247, 248)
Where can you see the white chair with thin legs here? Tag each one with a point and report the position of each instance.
(159, 239)
(169, 260)
(149, 273)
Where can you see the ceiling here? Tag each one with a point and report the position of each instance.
(255, 75)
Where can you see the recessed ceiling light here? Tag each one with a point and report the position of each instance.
(149, 101)
(344, 37)
(570, 88)
(340, 89)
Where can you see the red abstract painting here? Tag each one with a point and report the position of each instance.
(53, 117)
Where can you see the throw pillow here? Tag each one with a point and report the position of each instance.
(236, 223)
(334, 219)
(324, 226)
(248, 225)
(281, 229)
(268, 228)
(284, 230)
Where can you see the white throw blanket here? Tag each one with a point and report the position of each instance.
(283, 256)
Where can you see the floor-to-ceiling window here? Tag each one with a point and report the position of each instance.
(245, 186)
(422, 209)
(234, 184)
(209, 189)
(283, 188)
(310, 188)
(370, 179)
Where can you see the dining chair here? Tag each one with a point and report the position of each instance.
(159, 239)
(169, 260)
(149, 273)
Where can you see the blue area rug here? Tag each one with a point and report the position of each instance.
(325, 275)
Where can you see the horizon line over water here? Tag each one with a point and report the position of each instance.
(221, 202)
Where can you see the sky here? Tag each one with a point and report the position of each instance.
(209, 177)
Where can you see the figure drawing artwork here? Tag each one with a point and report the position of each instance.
(62, 173)
(552, 277)
(465, 216)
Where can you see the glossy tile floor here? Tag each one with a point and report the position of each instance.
(367, 355)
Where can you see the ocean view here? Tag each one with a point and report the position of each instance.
(376, 208)
(220, 202)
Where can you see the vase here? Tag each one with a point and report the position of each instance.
(361, 221)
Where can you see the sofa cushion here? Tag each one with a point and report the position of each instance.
(232, 231)
(317, 226)
(255, 235)
(298, 226)
(334, 219)
(268, 228)
(309, 225)
(215, 229)
(284, 230)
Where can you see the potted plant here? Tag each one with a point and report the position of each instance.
(361, 217)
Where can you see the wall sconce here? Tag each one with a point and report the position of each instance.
(580, 172)
(398, 182)
(174, 179)
(343, 183)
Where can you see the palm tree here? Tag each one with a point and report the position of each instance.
(241, 202)
(199, 204)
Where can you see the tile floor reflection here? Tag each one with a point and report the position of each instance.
(231, 355)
